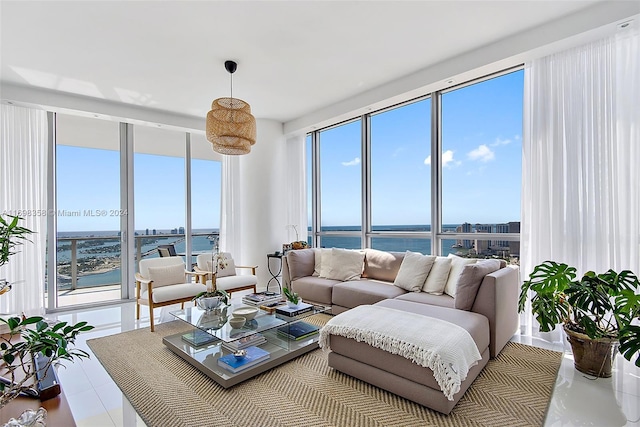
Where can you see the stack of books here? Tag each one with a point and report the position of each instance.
(198, 337)
(242, 343)
(234, 364)
(261, 298)
(288, 313)
(298, 330)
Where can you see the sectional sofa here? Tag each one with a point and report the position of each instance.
(479, 296)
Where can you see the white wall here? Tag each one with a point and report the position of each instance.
(263, 210)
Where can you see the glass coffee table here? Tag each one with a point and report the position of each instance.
(212, 337)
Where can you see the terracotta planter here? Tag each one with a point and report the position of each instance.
(592, 357)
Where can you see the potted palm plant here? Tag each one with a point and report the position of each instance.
(599, 312)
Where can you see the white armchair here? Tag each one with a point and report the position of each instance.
(164, 281)
(226, 278)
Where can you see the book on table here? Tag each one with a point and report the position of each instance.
(299, 309)
(298, 330)
(198, 337)
(251, 340)
(261, 298)
(234, 364)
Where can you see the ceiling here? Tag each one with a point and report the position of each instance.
(294, 57)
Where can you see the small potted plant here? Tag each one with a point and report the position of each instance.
(293, 299)
(597, 312)
(211, 298)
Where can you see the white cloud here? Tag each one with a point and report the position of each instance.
(482, 153)
(447, 159)
(499, 142)
(353, 162)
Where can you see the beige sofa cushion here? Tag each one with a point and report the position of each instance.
(353, 294)
(318, 260)
(437, 278)
(469, 281)
(346, 264)
(457, 264)
(380, 265)
(301, 263)
(443, 300)
(413, 271)
(314, 289)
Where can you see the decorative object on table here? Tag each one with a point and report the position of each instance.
(29, 418)
(244, 342)
(237, 322)
(292, 297)
(211, 298)
(297, 310)
(42, 344)
(298, 244)
(597, 312)
(247, 312)
(253, 356)
(298, 330)
(231, 128)
(239, 354)
(271, 307)
(213, 319)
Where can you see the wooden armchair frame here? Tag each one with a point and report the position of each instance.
(140, 281)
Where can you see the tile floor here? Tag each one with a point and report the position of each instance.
(96, 401)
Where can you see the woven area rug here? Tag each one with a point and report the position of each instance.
(514, 390)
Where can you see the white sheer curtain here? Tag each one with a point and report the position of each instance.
(230, 227)
(296, 193)
(23, 192)
(581, 157)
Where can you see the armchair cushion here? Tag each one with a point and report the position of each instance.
(232, 282)
(167, 275)
(175, 292)
(145, 264)
(230, 269)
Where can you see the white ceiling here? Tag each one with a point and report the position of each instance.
(294, 57)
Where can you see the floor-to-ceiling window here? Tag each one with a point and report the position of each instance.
(341, 185)
(400, 177)
(472, 208)
(482, 167)
(88, 209)
(92, 170)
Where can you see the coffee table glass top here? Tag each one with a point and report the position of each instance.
(216, 322)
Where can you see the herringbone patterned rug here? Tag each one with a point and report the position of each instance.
(512, 390)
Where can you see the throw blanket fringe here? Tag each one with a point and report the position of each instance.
(445, 348)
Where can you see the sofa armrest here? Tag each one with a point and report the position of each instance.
(497, 299)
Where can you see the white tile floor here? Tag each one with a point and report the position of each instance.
(96, 401)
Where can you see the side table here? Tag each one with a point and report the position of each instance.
(275, 275)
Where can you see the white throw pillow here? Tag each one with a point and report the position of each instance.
(223, 271)
(317, 253)
(169, 275)
(345, 264)
(325, 263)
(457, 264)
(437, 278)
(413, 271)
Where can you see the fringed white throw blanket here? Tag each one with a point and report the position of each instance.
(447, 349)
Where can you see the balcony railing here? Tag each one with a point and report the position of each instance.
(94, 261)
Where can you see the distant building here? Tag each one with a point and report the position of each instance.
(174, 231)
(501, 228)
(482, 246)
(514, 247)
(464, 228)
(154, 232)
(180, 230)
(147, 231)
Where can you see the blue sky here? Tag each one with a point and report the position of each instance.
(481, 132)
(88, 180)
(482, 154)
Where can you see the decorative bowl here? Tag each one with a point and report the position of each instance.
(237, 322)
(292, 305)
(208, 303)
(247, 312)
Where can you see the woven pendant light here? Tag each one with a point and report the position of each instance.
(231, 128)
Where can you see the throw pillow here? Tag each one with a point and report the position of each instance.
(469, 282)
(437, 278)
(317, 252)
(457, 264)
(325, 262)
(345, 264)
(169, 275)
(300, 263)
(413, 271)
